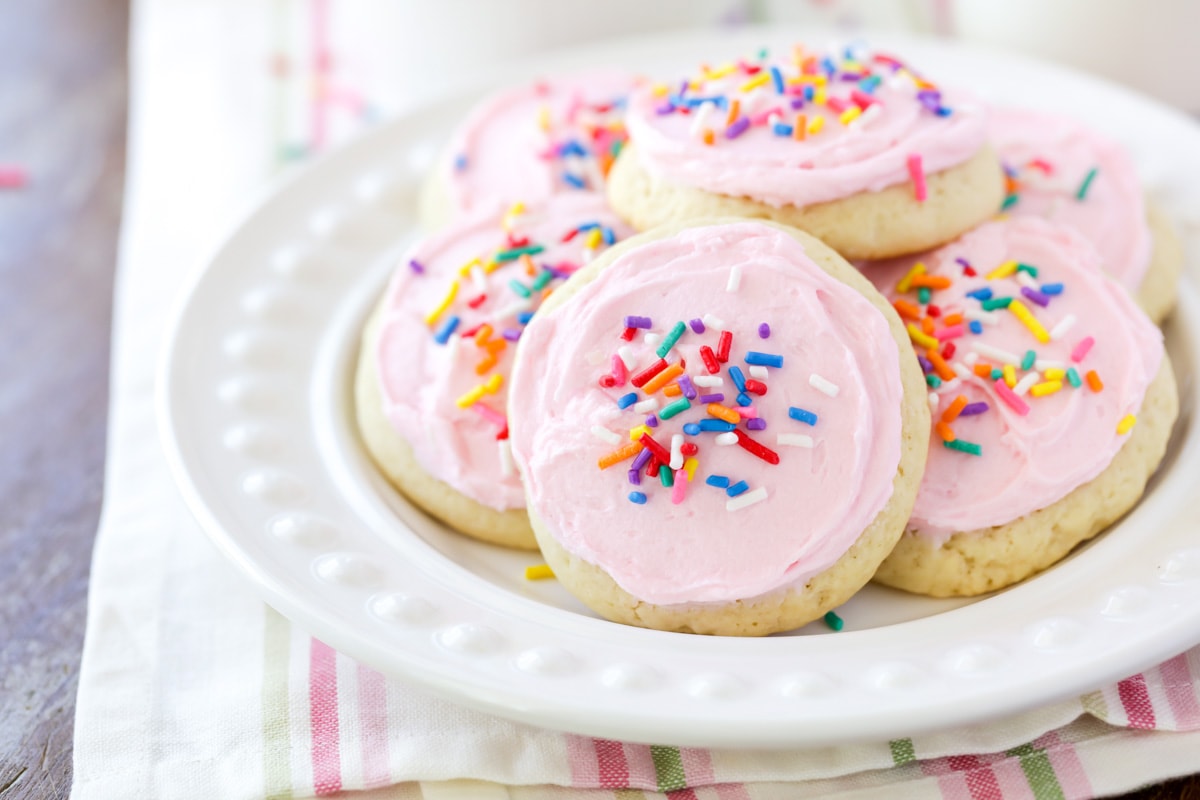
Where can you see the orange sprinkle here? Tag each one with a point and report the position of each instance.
(944, 431)
(940, 366)
(930, 281)
(906, 309)
(606, 162)
(953, 319)
(662, 379)
(620, 454)
(954, 409)
(927, 325)
(1093, 381)
(721, 412)
(708, 136)
(495, 347)
(735, 108)
(672, 390)
(983, 370)
(483, 334)
(484, 365)
(546, 293)
(800, 129)
(530, 269)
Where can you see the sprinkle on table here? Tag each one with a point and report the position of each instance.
(538, 572)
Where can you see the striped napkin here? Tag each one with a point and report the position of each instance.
(192, 688)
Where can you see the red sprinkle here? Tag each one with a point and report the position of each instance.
(645, 375)
(948, 350)
(571, 235)
(652, 467)
(628, 334)
(477, 302)
(709, 359)
(661, 453)
(749, 445)
(933, 311)
(723, 345)
(503, 434)
(756, 387)
(689, 449)
(607, 381)
(969, 272)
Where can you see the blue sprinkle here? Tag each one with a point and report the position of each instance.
(944, 112)
(637, 497)
(763, 359)
(626, 400)
(739, 380)
(983, 293)
(609, 236)
(799, 414)
(444, 334)
(782, 129)
(692, 428)
(976, 326)
(574, 180)
(1052, 288)
(809, 91)
(572, 148)
(460, 163)
(587, 226)
(524, 317)
(777, 79)
(737, 488)
(743, 399)
(719, 425)
(719, 481)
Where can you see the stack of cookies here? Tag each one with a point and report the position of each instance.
(727, 347)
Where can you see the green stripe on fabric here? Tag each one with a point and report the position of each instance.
(902, 751)
(1039, 772)
(277, 749)
(668, 768)
(1094, 704)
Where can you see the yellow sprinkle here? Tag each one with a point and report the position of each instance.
(815, 125)
(539, 572)
(660, 90)
(470, 398)
(636, 433)
(1010, 375)
(544, 118)
(849, 115)
(920, 337)
(1029, 320)
(755, 82)
(818, 80)
(517, 209)
(465, 269)
(690, 466)
(819, 96)
(1003, 271)
(905, 283)
(493, 383)
(442, 306)
(1055, 374)
(491, 266)
(1045, 387)
(721, 71)
(594, 238)
(1125, 424)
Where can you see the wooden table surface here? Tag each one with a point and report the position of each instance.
(63, 97)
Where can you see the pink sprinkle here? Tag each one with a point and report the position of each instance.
(747, 412)
(762, 117)
(490, 414)
(917, 173)
(1081, 349)
(679, 488)
(949, 332)
(619, 373)
(1011, 398)
(12, 176)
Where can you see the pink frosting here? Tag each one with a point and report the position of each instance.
(511, 146)
(1051, 156)
(1067, 438)
(422, 380)
(776, 169)
(818, 500)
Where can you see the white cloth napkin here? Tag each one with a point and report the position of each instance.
(192, 688)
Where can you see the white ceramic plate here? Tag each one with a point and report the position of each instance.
(256, 410)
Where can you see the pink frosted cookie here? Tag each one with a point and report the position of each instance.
(1052, 401)
(431, 383)
(854, 147)
(1062, 171)
(531, 142)
(716, 429)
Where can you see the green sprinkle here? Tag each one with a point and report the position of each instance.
(964, 447)
(933, 380)
(616, 148)
(762, 54)
(541, 280)
(517, 252)
(995, 303)
(924, 295)
(1027, 361)
(1009, 202)
(1032, 270)
(997, 373)
(1073, 378)
(1087, 182)
(834, 622)
(666, 475)
(679, 406)
(520, 288)
(671, 339)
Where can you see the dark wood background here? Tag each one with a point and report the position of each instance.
(63, 98)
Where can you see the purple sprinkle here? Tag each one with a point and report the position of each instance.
(1035, 296)
(757, 424)
(850, 76)
(971, 409)
(711, 398)
(637, 322)
(652, 421)
(683, 87)
(664, 109)
(555, 271)
(926, 364)
(930, 101)
(688, 388)
(764, 331)
(962, 262)
(738, 127)
(635, 476)
(511, 334)
(641, 459)
(417, 267)
(697, 325)
(797, 103)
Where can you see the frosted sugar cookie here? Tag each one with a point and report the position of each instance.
(717, 429)
(1052, 401)
(431, 383)
(1060, 170)
(553, 136)
(855, 147)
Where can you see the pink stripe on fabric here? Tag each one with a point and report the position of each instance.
(323, 706)
(981, 781)
(642, 773)
(1072, 777)
(682, 794)
(953, 786)
(611, 766)
(373, 721)
(581, 756)
(1136, 702)
(732, 791)
(1181, 692)
(1010, 777)
(697, 766)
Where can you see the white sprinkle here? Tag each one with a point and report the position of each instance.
(934, 401)
(700, 119)
(746, 499)
(971, 358)
(1043, 364)
(759, 372)
(735, 278)
(512, 309)
(506, 462)
(477, 279)
(867, 117)
(986, 317)
(587, 255)
(708, 380)
(822, 385)
(646, 406)
(452, 348)
(1064, 325)
(1026, 280)
(960, 368)
(793, 440)
(996, 354)
(726, 438)
(713, 322)
(952, 384)
(676, 452)
(628, 357)
(652, 339)
(1026, 383)
(604, 434)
